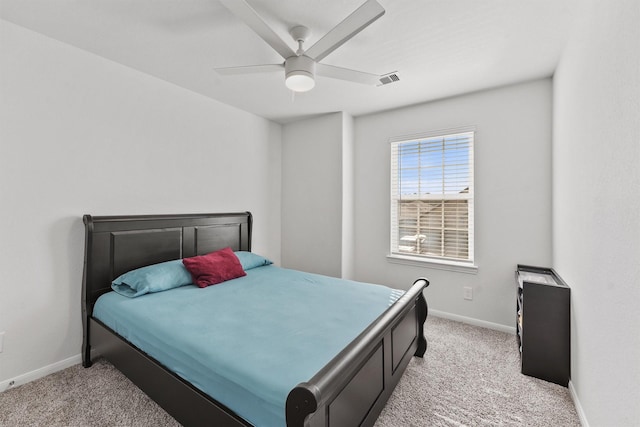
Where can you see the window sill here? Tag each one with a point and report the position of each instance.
(459, 267)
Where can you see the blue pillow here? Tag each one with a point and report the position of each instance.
(250, 260)
(152, 278)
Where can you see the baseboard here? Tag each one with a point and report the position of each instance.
(576, 402)
(474, 322)
(39, 373)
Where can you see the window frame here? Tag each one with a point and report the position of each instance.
(434, 261)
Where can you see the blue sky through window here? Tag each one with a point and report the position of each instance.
(438, 165)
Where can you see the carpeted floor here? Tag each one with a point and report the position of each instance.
(470, 376)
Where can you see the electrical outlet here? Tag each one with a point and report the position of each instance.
(468, 292)
(1, 340)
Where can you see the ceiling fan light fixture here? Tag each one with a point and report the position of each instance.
(299, 81)
(300, 73)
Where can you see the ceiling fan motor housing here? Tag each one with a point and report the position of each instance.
(301, 70)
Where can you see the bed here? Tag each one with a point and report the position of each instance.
(350, 389)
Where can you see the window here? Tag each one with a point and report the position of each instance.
(432, 198)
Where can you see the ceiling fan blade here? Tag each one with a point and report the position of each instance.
(249, 69)
(245, 12)
(349, 27)
(347, 74)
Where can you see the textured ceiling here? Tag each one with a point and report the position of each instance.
(438, 48)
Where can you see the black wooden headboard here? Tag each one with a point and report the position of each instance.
(117, 244)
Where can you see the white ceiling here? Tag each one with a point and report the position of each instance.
(439, 48)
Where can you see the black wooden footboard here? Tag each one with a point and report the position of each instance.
(353, 388)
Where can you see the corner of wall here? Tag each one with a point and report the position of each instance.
(348, 197)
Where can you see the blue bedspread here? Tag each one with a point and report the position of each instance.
(249, 341)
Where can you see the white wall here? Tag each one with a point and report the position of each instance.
(596, 207)
(348, 197)
(80, 134)
(512, 195)
(312, 178)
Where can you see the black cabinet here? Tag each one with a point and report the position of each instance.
(543, 324)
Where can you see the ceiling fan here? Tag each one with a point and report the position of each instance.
(301, 66)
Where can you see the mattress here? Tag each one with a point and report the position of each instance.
(249, 341)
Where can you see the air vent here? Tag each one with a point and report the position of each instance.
(388, 78)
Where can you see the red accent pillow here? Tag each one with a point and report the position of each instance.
(213, 268)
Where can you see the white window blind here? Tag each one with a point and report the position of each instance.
(432, 197)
